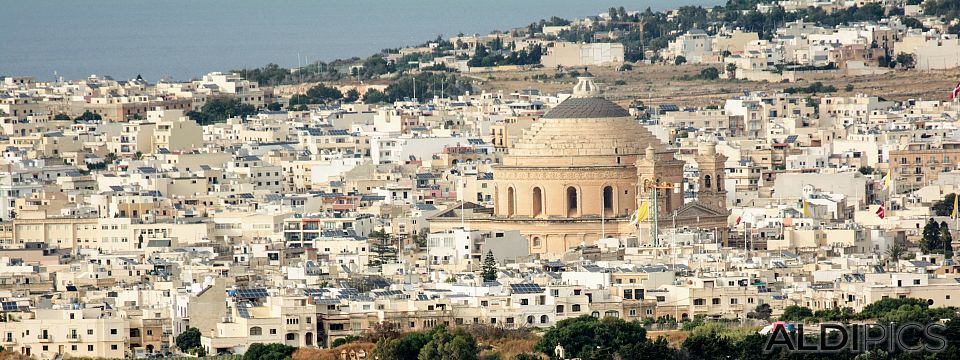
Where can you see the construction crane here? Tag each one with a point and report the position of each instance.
(654, 188)
(639, 24)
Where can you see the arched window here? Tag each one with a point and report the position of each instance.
(719, 183)
(607, 198)
(510, 203)
(595, 314)
(537, 201)
(256, 331)
(572, 200)
(611, 313)
(530, 319)
(308, 339)
(536, 241)
(706, 182)
(544, 319)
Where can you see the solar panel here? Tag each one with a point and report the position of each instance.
(314, 292)
(349, 291)
(252, 293)
(242, 309)
(9, 306)
(422, 297)
(526, 288)
(388, 293)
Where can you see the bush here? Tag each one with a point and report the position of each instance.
(680, 60)
(188, 339)
(796, 313)
(258, 351)
(709, 73)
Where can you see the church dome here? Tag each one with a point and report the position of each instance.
(583, 130)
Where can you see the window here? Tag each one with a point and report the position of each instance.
(113, 331)
(256, 331)
(113, 347)
(537, 201)
(89, 347)
(607, 198)
(716, 301)
(575, 308)
(698, 302)
(274, 331)
(572, 200)
(510, 202)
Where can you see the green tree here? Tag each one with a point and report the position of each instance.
(944, 207)
(457, 344)
(731, 70)
(906, 61)
(188, 339)
(762, 312)
(323, 93)
(88, 116)
(489, 267)
(343, 341)
(274, 106)
(931, 237)
(587, 337)
(374, 96)
(403, 348)
(796, 313)
(221, 108)
(351, 96)
(61, 116)
(420, 239)
(895, 252)
(946, 240)
(680, 60)
(866, 170)
(258, 351)
(526, 356)
(709, 73)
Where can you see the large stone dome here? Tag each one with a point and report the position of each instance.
(583, 130)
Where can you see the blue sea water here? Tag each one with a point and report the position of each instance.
(183, 39)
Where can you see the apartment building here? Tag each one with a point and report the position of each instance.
(74, 331)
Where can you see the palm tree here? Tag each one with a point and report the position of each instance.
(895, 252)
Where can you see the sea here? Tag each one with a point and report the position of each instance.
(184, 39)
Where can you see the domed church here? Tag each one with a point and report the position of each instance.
(580, 173)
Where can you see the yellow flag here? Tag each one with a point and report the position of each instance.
(806, 208)
(886, 181)
(953, 215)
(643, 212)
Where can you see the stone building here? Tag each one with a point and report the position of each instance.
(581, 172)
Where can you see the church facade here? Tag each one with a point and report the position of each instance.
(581, 172)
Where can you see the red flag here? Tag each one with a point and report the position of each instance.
(738, 220)
(955, 93)
(880, 212)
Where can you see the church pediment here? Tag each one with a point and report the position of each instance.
(697, 209)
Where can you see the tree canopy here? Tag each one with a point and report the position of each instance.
(587, 337)
(221, 108)
(258, 351)
(188, 339)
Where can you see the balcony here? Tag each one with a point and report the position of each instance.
(45, 338)
(73, 337)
